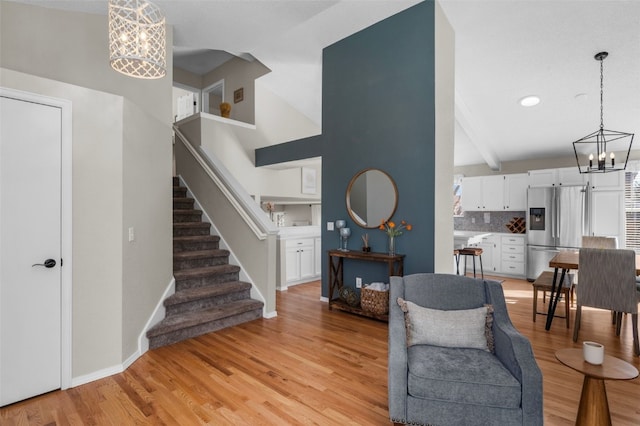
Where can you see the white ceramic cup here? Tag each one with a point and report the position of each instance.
(593, 352)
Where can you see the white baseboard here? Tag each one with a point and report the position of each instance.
(143, 343)
(324, 299)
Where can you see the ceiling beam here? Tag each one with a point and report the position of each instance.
(476, 133)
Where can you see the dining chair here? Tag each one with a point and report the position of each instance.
(599, 242)
(608, 281)
(605, 243)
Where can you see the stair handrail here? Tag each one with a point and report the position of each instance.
(246, 206)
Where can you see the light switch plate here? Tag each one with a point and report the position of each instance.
(132, 234)
(329, 226)
(358, 282)
(487, 217)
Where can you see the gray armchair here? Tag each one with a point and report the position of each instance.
(434, 385)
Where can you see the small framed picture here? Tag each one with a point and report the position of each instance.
(238, 95)
(308, 180)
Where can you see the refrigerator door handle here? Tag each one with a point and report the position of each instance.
(554, 216)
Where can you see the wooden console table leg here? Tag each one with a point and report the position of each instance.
(594, 406)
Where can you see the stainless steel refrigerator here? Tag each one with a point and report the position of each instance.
(558, 218)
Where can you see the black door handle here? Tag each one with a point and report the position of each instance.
(49, 263)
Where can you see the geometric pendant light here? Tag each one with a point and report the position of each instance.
(137, 42)
(595, 153)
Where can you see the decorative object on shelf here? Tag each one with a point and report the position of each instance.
(225, 109)
(270, 207)
(517, 225)
(349, 296)
(394, 231)
(137, 39)
(345, 233)
(339, 225)
(365, 243)
(238, 95)
(374, 298)
(602, 142)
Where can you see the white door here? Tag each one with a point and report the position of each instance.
(30, 233)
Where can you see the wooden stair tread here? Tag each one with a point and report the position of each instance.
(190, 319)
(191, 225)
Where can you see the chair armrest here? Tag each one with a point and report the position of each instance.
(514, 351)
(397, 369)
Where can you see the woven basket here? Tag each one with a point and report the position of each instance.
(374, 301)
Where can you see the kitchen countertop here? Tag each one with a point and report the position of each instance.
(467, 238)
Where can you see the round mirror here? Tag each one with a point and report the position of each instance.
(372, 197)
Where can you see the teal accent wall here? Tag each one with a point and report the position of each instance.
(378, 110)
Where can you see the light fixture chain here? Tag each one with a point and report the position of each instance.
(601, 93)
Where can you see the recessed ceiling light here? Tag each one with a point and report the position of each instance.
(529, 101)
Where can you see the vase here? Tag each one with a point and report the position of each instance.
(392, 245)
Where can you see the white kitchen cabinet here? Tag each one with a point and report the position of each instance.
(607, 181)
(607, 215)
(570, 176)
(471, 194)
(542, 178)
(515, 191)
(493, 193)
(317, 252)
(300, 260)
(512, 255)
(490, 246)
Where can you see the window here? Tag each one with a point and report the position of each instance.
(632, 209)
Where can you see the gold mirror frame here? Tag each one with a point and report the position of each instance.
(386, 197)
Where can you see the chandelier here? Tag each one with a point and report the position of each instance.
(137, 42)
(597, 150)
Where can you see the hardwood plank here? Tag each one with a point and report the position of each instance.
(309, 365)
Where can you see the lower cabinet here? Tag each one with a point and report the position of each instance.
(300, 260)
(490, 256)
(513, 255)
(502, 254)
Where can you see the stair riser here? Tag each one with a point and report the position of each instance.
(183, 204)
(176, 336)
(189, 232)
(179, 265)
(179, 246)
(179, 192)
(179, 217)
(206, 303)
(176, 181)
(183, 284)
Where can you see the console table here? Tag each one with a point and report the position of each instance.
(336, 276)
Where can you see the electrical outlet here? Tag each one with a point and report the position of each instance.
(329, 226)
(358, 282)
(487, 217)
(473, 220)
(132, 234)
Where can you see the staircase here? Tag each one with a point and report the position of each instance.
(208, 294)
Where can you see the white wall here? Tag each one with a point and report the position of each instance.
(121, 174)
(445, 72)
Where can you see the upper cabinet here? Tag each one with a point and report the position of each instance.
(495, 193)
(471, 198)
(515, 191)
(607, 181)
(566, 176)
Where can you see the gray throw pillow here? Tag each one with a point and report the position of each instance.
(468, 328)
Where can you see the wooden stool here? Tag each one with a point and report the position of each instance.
(543, 283)
(473, 252)
(456, 255)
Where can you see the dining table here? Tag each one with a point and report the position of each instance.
(564, 261)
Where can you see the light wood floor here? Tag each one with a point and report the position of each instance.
(307, 366)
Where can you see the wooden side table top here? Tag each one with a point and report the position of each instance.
(611, 369)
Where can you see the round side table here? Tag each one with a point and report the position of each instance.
(594, 406)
